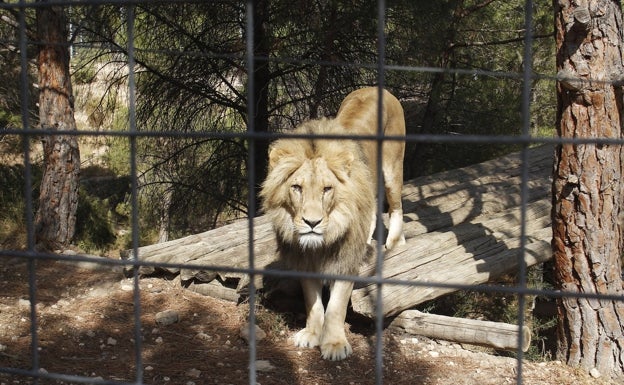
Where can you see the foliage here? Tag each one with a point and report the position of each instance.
(83, 70)
(93, 228)
(12, 207)
(101, 212)
(191, 78)
(485, 39)
(13, 203)
(10, 69)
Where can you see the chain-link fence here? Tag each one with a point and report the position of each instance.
(20, 15)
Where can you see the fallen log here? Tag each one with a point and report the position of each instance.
(462, 227)
(496, 335)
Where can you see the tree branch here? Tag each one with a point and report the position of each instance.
(498, 42)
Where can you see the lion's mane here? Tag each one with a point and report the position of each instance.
(348, 213)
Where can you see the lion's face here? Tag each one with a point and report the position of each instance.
(311, 199)
(317, 191)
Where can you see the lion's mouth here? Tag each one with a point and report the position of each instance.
(310, 240)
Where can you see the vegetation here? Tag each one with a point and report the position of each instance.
(12, 222)
(192, 79)
(504, 307)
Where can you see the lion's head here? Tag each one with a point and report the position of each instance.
(318, 192)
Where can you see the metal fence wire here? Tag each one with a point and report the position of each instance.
(251, 136)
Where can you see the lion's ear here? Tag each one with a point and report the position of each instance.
(342, 163)
(348, 159)
(275, 154)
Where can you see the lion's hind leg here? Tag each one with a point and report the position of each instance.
(393, 179)
(334, 344)
(310, 336)
(395, 230)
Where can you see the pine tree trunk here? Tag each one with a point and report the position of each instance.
(262, 79)
(587, 191)
(58, 199)
(164, 220)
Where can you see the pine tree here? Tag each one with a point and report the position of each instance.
(58, 200)
(587, 188)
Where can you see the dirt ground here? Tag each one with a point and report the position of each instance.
(85, 328)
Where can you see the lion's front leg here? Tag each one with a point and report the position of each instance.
(312, 294)
(334, 344)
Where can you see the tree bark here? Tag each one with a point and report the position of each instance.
(587, 239)
(164, 217)
(58, 199)
(262, 79)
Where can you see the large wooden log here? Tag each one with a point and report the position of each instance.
(496, 335)
(462, 227)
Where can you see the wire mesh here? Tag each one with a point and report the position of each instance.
(251, 135)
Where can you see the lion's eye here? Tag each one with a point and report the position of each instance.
(296, 188)
(327, 189)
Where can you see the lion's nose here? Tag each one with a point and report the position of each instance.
(312, 223)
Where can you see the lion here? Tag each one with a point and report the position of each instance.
(320, 197)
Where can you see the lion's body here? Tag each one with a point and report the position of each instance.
(320, 197)
(358, 113)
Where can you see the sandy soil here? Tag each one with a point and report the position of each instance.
(85, 328)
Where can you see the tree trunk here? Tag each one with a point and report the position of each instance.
(261, 78)
(164, 217)
(587, 239)
(328, 49)
(58, 199)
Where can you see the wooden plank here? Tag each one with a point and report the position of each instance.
(225, 246)
(470, 253)
(475, 262)
(449, 198)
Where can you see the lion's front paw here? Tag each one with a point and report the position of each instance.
(336, 350)
(306, 338)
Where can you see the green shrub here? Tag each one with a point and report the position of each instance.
(93, 226)
(84, 70)
(13, 205)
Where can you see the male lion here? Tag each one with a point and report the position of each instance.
(320, 197)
